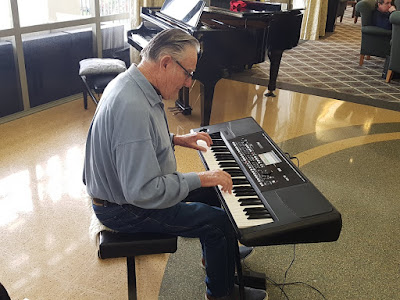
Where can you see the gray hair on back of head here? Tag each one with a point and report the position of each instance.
(169, 42)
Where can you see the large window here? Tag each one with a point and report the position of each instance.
(50, 11)
(40, 48)
(112, 7)
(5, 15)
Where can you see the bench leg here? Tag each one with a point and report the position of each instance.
(132, 289)
(85, 99)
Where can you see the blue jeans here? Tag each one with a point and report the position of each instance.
(192, 220)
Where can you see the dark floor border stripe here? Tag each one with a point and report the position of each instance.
(309, 141)
(380, 103)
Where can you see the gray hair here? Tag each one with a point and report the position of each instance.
(169, 42)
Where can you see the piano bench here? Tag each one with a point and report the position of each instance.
(115, 244)
(95, 84)
(96, 74)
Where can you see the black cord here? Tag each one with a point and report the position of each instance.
(292, 158)
(290, 265)
(284, 283)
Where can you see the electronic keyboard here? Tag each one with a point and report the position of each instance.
(272, 201)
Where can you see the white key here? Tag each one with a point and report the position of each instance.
(231, 200)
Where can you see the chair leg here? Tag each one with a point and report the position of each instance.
(361, 59)
(368, 57)
(389, 75)
(85, 99)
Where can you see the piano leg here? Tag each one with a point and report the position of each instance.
(182, 104)
(275, 57)
(207, 94)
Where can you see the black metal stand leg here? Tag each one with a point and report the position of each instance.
(239, 272)
(132, 289)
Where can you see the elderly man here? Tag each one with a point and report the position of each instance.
(380, 16)
(130, 168)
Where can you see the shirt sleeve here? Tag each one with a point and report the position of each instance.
(143, 183)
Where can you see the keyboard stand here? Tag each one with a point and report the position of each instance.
(239, 272)
(248, 277)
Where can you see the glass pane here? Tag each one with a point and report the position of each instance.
(52, 63)
(50, 11)
(115, 40)
(5, 15)
(111, 7)
(10, 89)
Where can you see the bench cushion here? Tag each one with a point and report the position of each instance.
(95, 66)
(116, 244)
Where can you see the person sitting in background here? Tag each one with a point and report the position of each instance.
(380, 17)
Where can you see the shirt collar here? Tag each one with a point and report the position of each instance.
(152, 94)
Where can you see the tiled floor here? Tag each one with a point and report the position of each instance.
(46, 251)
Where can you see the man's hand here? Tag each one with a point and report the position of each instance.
(392, 8)
(216, 177)
(190, 140)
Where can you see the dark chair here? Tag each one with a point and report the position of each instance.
(394, 63)
(341, 8)
(354, 14)
(113, 245)
(375, 41)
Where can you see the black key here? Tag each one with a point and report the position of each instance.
(234, 172)
(218, 143)
(227, 164)
(250, 203)
(215, 135)
(237, 181)
(258, 217)
(256, 209)
(219, 149)
(245, 193)
(223, 156)
(248, 199)
(243, 189)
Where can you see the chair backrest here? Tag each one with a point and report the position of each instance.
(366, 8)
(395, 48)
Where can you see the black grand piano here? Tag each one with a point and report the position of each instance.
(231, 39)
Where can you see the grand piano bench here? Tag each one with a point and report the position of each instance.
(114, 244)
(94, 85)
(96, 74)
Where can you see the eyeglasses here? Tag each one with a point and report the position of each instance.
(187, 73)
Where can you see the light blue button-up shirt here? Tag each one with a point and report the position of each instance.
(129, 154)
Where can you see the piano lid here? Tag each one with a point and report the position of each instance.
(186, 11)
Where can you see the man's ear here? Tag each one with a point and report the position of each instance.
(165, 61)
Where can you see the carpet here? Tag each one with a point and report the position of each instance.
(329, 67)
